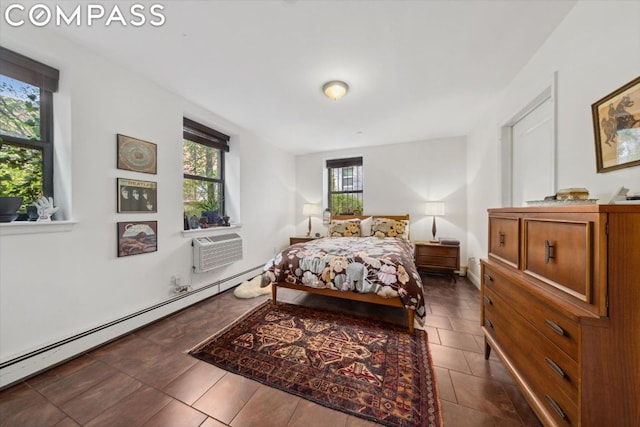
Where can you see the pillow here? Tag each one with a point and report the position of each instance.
(344, 228)
(365, 227)
(385, 227)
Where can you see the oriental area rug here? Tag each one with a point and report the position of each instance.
(366, 368)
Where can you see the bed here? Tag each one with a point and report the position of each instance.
(378, 268)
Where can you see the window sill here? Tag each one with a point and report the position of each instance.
(209, 231)
(35, 227)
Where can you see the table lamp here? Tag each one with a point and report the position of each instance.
(308, 209)
(435, 209)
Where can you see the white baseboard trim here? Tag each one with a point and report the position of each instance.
(474, 278)
(22, 367)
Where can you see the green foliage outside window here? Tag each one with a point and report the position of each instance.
(201, 192)
(20, 172)
(200, 196)
(20, 167)
(345, 204)
(19, 109)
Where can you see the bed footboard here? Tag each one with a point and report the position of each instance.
(370, 298)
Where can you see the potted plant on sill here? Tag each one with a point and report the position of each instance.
(209, 209)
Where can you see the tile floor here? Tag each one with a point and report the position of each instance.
(147, 379)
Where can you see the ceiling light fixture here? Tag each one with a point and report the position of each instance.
(335, 89)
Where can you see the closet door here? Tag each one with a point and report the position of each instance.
(533, 156)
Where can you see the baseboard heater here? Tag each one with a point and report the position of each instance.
(211, 252)
(33, 362)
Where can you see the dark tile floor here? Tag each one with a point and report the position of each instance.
(147, 379)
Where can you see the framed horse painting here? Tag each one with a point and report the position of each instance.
(616, 125)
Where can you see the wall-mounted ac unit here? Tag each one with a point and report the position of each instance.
(216, 251)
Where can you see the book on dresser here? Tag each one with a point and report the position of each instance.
(561, 308)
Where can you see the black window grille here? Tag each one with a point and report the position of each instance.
(345, 186)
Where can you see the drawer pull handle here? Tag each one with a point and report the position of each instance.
(487, 300)
(549, 251)
(500, 238)
(488, 323)
(555, 406)
(557, 329)
(488, 278)
(555, 367)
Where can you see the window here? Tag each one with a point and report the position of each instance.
(203, 186)
(347, 178)
(26, 126)
(345, 186)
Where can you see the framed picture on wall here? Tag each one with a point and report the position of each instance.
(137, 196)
(137, 237)
(616, 124)
(137, 155)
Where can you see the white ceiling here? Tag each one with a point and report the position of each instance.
(417, 69)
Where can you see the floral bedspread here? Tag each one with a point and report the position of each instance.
(384, 266)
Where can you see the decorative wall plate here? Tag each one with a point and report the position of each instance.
(137, 155)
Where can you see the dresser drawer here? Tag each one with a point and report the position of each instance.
(560, 253)
(553, 365)
(555, 326)
(504, 239)
(527, 350)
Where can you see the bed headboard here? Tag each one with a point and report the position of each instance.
(361, 217)
(341, 217)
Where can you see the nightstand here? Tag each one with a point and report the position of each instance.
(301, 239)
(437, 258)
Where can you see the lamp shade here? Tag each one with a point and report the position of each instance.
(434, 208)
(308, 209)
(335, 89)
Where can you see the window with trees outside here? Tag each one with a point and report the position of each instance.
(26, 127)
(203, 186)
(345, 186)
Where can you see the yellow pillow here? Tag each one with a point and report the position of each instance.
(344, 228)
(385, 227)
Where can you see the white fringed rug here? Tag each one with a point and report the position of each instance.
(251, 288)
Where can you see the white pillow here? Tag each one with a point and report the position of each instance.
(365, 227)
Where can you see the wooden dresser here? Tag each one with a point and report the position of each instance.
(561, 308)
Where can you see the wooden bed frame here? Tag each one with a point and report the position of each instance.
(370, 298)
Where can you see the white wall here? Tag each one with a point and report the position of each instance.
(57, 284)
(595, 50)
(398, 179)
(54, 285)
